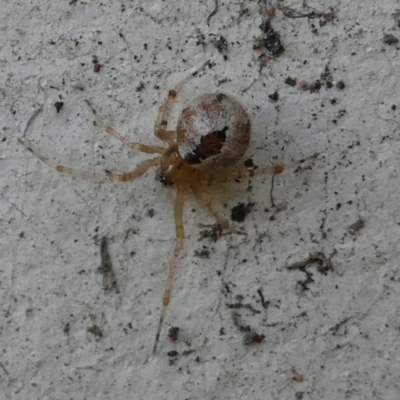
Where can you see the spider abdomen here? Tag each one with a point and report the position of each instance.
(213, 131)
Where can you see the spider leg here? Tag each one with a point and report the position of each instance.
(137, 146)
(127, 176)
(249, 172)
(180, 237)
(134, 145)
(164, 112)
(200, 192)
(273, 170)
(245, 173)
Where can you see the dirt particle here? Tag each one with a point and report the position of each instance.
(315, 86)
(290, 81)
(355, 228)
(272, 41)
(173, 333)
(390, 39)
(340, 85)
(240, 211)
(58, 105)
(274, 96)
(96, 331)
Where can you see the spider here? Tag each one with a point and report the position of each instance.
(212, 135)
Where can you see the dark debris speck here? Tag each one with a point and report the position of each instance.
(290, 81)
(140, 87)
(355, 228)
(173, 333)
(96, 331)
(221, 44)
(340, 85)
(272, 40)
(202, 253)
(249, 163)
(239, 212)
(253, 338)
(390, 39)
(315, 86)
(58, 105)
(274, 96)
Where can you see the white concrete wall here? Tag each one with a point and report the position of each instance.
(340, 338)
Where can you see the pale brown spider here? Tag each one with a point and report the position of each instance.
(212, 134)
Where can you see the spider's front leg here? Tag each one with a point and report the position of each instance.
(161, 124)
(164, 112)
(134, 145)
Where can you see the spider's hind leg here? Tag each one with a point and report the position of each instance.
(127, 176)
(305, 163)
(180, 238)
(202, 194)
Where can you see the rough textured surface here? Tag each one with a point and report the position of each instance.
(329, 333)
